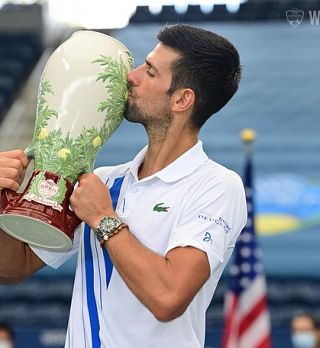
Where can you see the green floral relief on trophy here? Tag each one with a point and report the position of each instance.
(35, 183)
(70, 157)
(43, 112)
(43, 115)
(115, 77)
(46, 191)
(58, 154)
(87, 145)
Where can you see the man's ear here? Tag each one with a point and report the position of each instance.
(183, 99)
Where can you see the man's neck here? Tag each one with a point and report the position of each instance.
(161, 153)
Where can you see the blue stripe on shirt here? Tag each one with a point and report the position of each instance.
(91, 300)
(114, 192)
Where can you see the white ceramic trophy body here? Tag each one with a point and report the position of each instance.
(81, 101)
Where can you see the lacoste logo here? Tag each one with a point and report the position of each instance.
(160, 209)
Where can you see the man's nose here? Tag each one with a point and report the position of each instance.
(133, 77)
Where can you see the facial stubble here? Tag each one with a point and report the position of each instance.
(156, 122)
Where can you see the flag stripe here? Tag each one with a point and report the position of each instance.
(252, 295)
(265, 342)
(230, 320)
(256, 332)
(252, 315)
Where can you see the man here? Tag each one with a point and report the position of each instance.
(6, 336)
(167, 221)
(304, 331)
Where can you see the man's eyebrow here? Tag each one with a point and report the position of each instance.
(151, 66)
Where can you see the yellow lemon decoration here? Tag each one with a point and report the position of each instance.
(43, 134)
(97, 141)
(64, 153)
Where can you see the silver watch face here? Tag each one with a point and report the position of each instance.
(108, 224)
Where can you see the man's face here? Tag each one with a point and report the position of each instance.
(5, 339)
(304, 334)
(148, 101)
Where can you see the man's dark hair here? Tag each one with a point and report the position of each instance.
(208, 64)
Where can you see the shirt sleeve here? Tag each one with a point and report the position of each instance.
(55, 259)
(212, 219)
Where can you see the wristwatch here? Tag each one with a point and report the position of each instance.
(108, 227)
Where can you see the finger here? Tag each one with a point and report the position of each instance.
(71, 201)
(84, 177)
(74, 201)
(11, 163)
(11, 184)
(16, 154)
(10, 173)
(21, 177)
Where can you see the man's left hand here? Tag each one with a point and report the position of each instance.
(91, 200)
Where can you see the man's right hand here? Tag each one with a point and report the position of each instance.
(17, 260)
(13, 165)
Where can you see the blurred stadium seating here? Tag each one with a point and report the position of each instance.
(19, 52)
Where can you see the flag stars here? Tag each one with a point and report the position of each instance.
(257, 253)
(245, 252)
(245, 267)
(234, 270)
(246, 237)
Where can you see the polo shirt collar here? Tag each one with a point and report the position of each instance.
(181, 167)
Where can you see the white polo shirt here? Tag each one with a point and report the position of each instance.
(192, 202)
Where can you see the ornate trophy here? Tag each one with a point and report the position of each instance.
(81, 101)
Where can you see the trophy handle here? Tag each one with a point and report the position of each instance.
(29, 152)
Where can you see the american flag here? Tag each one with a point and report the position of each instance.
(247, 321)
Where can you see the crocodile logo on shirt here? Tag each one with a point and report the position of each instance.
(160, 209)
